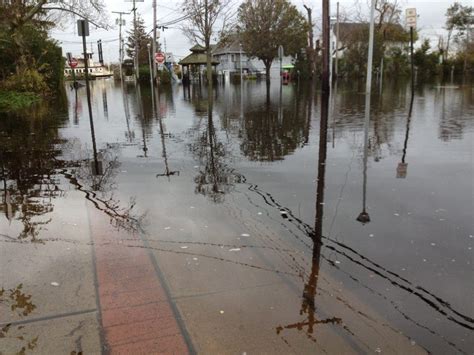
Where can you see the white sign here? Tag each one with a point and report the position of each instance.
(410, 16)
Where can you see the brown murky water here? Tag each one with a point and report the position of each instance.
(275, 230)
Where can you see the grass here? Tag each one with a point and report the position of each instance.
(14, 100)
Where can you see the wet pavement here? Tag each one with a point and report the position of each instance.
(246, 221)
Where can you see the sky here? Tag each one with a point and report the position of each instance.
(431, 18)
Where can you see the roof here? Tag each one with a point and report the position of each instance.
(198, 49)
(196, 59)
(230, 44)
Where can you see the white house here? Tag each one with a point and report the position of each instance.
(231, 57)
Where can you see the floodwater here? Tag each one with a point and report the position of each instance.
(274, 226)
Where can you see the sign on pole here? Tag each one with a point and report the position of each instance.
(280, 52)
(159, 57)
(73, 63)
(79, 28)
(410, 17)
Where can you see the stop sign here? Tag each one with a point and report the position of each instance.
(159, 57)
(73, 63)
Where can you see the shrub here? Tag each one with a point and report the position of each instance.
(27, 80)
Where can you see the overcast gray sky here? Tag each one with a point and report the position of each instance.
(430, 22)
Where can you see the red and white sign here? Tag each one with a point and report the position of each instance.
(159, 57)
(73, 63)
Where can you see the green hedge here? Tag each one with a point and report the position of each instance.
(13, 100)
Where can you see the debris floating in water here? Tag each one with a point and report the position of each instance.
(337, 262)
(259, 213)
(221, 311)
(396, 214)
(433, 244)
(195, 259)
(166, 228)
(371, 235)
(184, 247)
(245, 235)
(55, 284)
(234, 249)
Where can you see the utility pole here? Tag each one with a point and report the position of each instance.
(83, 30)
(137, 75)
(120, 23)
(326, 47)
(337, 42)
(411, 59)
(310, 53)
(153, 48)
(240, 59)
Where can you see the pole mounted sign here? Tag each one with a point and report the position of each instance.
(159, 57)
(73, 63)
(410, 17)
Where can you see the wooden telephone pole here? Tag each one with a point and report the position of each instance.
(310, 51)
(326, 47)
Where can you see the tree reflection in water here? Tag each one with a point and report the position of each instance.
(29, 163)
(270, 132)
(215, 177)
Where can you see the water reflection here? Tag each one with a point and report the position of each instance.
(29, 159)
(215, 178)
(156, 102)
(18, 302)
(270, 131)
(308, 305)
(402, 167)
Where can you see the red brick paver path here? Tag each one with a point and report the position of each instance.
(137, 316)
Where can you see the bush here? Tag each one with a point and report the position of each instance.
(12, 101)
(165, 77)
(27, 80)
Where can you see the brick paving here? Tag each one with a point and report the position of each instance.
(137, 317)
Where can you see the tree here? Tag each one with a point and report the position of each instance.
(426, 61)
(203, 17)
(140, 37)
(264, 25)
(458, 18)
(27, 54)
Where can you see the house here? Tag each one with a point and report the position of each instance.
(231, 58)
(96, 70)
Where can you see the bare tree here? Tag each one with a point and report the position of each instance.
(203, 18)
(92, 10)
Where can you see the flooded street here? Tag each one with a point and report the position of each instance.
(244, 221)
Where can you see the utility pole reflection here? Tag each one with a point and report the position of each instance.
(155, 104)
(308, 306)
